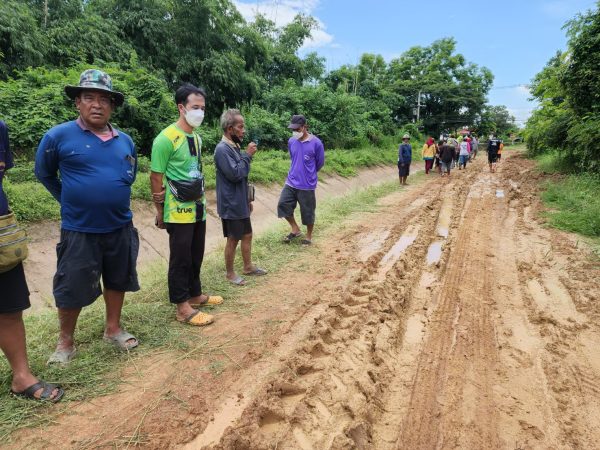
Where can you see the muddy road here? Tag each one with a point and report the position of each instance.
(448, 319)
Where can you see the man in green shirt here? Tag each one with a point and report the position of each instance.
(177, 184)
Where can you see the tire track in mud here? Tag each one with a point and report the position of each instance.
(456, 329)
(452, 380)
(331, 391)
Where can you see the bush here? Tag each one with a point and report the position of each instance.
(148, 106)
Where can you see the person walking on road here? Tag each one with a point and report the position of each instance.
(404, 159)
(98, 241)
(14, 299)
(492, 148)
(474, 147)
(446, 158)
(500, 148)
(177, 183)
(307, 158)
(463, 155)
(429, 151)
(234, 196)
(454, 143)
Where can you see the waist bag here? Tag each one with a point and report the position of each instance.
(251, 192)
(187, 191)
(13, 243)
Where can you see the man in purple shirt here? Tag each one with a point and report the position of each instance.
(308, 156)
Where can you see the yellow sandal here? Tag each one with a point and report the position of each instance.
(212, 300)
(198, 319)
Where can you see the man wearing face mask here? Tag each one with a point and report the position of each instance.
(234, 203)
(308, 157)
(177, 184)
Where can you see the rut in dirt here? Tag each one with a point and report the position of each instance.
(331, 390)
(464, 325)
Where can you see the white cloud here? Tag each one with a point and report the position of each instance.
(283, 12)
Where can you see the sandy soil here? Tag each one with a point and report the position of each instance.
(450, 318)
(154, 243)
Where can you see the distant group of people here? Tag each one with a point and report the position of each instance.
(89, 166)
(447, 153)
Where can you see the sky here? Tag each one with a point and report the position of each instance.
(512, 38)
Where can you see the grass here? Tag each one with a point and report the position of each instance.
(97, 369)
(32, 203)
(551, 163)
(575, 204)
(572, 199)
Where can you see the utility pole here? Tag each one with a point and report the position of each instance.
(419, 105)
(45, 14)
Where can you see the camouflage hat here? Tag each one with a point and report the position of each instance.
(96, 80)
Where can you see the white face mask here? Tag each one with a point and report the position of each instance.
(297, 134)
(194, 117)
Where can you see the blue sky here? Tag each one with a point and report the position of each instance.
(514, 39)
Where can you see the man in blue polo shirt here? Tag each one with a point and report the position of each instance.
(97, 165)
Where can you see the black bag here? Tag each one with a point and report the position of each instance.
(187, 191)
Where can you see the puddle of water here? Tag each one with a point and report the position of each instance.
(414, 330)
(419, 202)
(427, 279)
(499, 193)
(445, 217)
(372, 243)
(405, 241)
(434, 252)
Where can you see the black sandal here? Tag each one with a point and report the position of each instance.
(291, 237)
(45, 396)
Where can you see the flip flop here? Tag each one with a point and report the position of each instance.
(257, 272)
(45, 396)
(63, 357)
(120, 340)
(211, 300)
(198, 319)
(291, 237)
(239, 281)
(306, 242)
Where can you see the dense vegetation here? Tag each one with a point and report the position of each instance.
(151, 46)
(568, 89)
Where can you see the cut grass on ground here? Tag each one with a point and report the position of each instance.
(147, 314)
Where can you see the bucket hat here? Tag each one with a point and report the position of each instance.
(406, 136)
(95, 80)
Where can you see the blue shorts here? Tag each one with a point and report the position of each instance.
(85, 258)
(462, 160)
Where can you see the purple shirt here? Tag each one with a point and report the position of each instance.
(307, 159)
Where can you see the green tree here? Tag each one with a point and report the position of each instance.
(22, 43)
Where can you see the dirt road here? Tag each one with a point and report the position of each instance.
(450, 318)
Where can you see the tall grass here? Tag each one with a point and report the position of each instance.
(574, 203)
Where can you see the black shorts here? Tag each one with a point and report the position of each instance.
(14, 295)
(236, 228)
(290, 197)
(403, 170)
(84, 258)
(492, 157)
